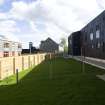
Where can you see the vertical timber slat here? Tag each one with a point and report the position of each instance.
(13, 65)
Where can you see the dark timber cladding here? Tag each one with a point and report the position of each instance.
(74, 41)
(93, 37)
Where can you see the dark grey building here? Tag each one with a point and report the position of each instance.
(74, 43)
(93, 37)
(31, 50)
(49, 46)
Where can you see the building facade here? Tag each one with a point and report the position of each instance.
(32, 49)
(93, 37)
(74, 43)
(49, 46)
(9, 48)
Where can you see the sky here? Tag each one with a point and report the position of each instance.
(35, 20)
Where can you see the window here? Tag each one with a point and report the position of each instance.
(98, 45)
(19, 46)
(6, 54)
(70, 42)
(97, 34)
(92, 46)
(6, 45)
(91, 36)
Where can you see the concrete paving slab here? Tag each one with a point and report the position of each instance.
(101, 77)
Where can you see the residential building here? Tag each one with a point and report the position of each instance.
(93, 38)
(9, 48)
(49, 46)
(31, 49)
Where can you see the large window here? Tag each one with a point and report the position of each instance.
(92, 46)
(91, 36)
(19, 46)
(6, 54)
(97, 34)
(6, 45)
(98, 45)
(70, 41)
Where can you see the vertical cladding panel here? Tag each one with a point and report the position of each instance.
(16, 53)
(0, 71)
(1, 53)
(31, 60)
(39, 58)
(7, 67)
(18, 63)
(14, 65)
(22, 63)
(36, 60)
(26, 63)
(44, 56)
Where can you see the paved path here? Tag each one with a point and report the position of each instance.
(101, 77)
(100, 63)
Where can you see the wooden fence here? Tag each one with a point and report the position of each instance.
(9, 65)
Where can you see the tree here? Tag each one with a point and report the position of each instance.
(64, 44)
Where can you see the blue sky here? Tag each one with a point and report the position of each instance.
(35, 20)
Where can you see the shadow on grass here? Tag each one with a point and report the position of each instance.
(56, 82)
(11, 80)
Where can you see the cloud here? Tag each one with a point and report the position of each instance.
(8, 28)
(101, 4)
(67, 15)
(49, 18)
(1, 2)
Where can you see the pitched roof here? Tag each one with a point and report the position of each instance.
(51, 40)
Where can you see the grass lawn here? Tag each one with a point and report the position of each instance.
(55, 82)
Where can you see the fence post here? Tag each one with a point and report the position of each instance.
(22, 63)
(28, 61)
(14, 65)
(50, 56)
(37, 59)
(34, 60)
(17, 76)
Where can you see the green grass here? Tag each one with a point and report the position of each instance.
(12, 79)
(56, 82)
